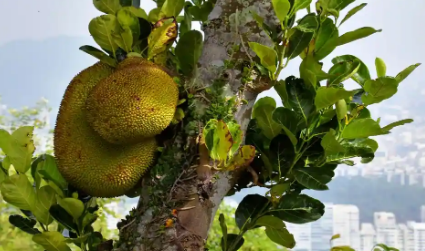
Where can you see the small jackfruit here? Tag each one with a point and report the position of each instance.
(137, 101)
(84, 158)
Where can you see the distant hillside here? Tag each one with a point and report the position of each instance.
(370, 195)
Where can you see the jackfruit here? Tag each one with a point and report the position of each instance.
(135, 102)
(84, 158)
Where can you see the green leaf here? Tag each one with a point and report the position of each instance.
(63, 217)
(130, 23)
(138, 12)
(281, 236)
(298, 41)
(327, 39)
(270, 221)
(153, 15)
(327, 96)
(102, 56)
(397, 123)
(281, 8)
(335, 236)
(19, 148)
(362, 73)
(352, 12)
(381, 68)
(330, 144)
(232, 238)
(94, 240)
(46, 197)
(18, 191)
(343, 71)
(356, 34)
(280, 88)
(223, 227)
(48, 169)
(308, 23)
(311, 71)
(300, 4)
(406, 72)
(278, 189)
(300, 98)
(189, 50)
(186, 24)
(341, 109)
(73, 206)
(101, 29)
(362, 128)
(281, 153)
(299, 209)
(342, 248)
(25, 224)
(314, 178)
(236, 132)
(171, 8)
(287, 118)
(107, 6)
(200, 13)
(250, 207)
(51, 241)
(379, 90)
(263, 113)
(267, 55)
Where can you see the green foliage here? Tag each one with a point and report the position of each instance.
(320, 126)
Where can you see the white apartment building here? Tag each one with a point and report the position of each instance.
(367, 237)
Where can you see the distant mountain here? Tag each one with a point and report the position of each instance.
(370, 195)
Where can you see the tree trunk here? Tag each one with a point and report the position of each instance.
(179, 218)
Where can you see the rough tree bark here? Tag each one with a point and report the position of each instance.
(199, 188)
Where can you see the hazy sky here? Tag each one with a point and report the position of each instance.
(39, 44)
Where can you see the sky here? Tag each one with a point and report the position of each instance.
(39, 47)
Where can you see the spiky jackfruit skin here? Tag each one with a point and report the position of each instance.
(87, 161)
(135, 102)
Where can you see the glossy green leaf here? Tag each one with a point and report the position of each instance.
(311, 71)
(301, 99)
(327, 39)
(281, 153)
(51, 241)
(24, 224)
(18, 147)
(362, 128)
(308, 23)
(107, 6)
(341, 109)
(356, 34)
(281, 236)
(51, 171)
(352, 12)
(299, 209)
(280, 88)
(270, 221)
(330, 143)
(299, 5)
(379, 90)
(46, 197)
(94, 240)
(102, 56)
(298, 41)
(342, 71)
(223, 227)
(405, 73)
(232, 238)
(18, 191)
(327, 96)
(200, 13)
(267, 55)
(250, 207)
(73, 206)
(160, 38)
(381, 68)
(362, 73)
(342, 248)
(287, 118)
(171, 8)
(129, 22)
(314, 178)
(397, 123)
(263, 113)
(153, 15)
(189, 50)
(281, 8)
(101, 29)
(186, 24)
(63, 217)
